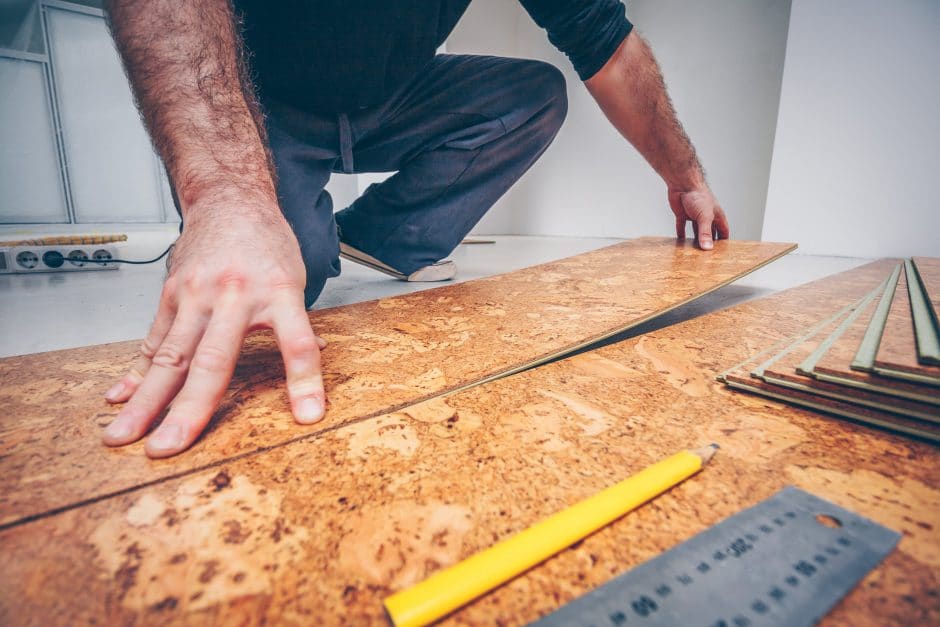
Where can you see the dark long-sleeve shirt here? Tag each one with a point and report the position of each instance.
(342, 55)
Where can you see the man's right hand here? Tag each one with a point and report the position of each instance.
(237, 265)
(231, 271)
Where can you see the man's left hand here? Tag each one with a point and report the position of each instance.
(700, 207)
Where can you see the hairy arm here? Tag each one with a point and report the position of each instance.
(237, 265)
(631, 92)
(186, 67)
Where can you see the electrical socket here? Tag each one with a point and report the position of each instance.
(58, 258)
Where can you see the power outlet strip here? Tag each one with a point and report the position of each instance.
(60, 258)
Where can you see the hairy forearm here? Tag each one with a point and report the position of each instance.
(186, 67)
(631, 92)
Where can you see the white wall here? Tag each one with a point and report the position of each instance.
(722, 61)
(857, 154)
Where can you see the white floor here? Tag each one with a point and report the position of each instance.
(51, 311)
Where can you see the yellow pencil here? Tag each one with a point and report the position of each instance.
(446, 590)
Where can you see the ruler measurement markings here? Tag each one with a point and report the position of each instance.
(790, 557)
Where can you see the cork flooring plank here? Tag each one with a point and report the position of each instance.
(867, 346)
(838, 364)
(811, 399)
(928, 268)
(897, 351)
(383, 355)
(781, 374)
(321, 530)
(792, 367)
(922, 312)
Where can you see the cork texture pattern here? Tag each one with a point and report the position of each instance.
(320, 530)
(383, 355)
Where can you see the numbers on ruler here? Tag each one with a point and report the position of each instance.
(738, 548)
(804, 569)
(760, 607)
(737, 621)
(776, 594)
(645, 605)
(642, 606)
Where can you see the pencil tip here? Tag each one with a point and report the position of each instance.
(706, 452)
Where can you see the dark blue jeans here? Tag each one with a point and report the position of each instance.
(459, 135)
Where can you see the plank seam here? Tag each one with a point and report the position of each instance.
(311, 436)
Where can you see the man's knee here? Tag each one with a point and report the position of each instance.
(547, 94)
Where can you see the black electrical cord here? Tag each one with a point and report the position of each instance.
(131, 261)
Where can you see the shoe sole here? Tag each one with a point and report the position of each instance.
(440, 271)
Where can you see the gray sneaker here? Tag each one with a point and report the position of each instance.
(440, 271)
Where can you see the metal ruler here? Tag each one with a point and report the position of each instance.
(785, 561)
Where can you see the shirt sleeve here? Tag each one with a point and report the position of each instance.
(587, 31)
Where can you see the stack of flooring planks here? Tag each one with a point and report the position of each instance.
(264, 526)
(875, 360)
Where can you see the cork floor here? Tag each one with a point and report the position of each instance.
(44, 312)
(244, 541)
(323, 529)
(383, 355)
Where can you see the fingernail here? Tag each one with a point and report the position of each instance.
(114, 392)
(118, 430)
(167, 438)
(707, 245)
(309, 410)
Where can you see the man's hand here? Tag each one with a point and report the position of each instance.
(700, 207)
(229, 274)
(631, 92)
(237, 265)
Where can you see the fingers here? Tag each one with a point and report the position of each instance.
(709, 222)
(162, 381)
(680, 227)
(675, 203)
(209, 374)
(704, 233)
(301, 351)
(721, 224)
(192, 361)
(125, 388)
